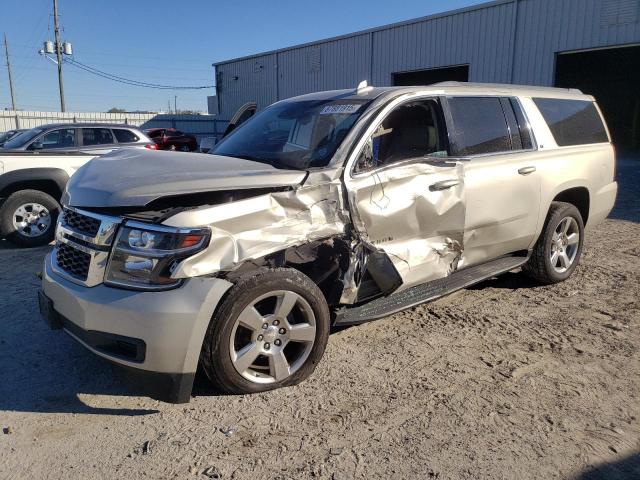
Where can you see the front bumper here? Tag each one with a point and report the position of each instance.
(156, 336)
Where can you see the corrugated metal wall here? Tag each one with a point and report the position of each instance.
(506, 41)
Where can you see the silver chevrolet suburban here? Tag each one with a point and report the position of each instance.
(333, 208)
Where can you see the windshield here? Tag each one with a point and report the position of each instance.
(19, 140)
(294, 134)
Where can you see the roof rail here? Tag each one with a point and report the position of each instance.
(505, 85)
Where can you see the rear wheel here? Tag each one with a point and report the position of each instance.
(28, 218)
(270, 331)
(557, 251)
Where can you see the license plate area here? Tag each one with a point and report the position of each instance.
(48, 313)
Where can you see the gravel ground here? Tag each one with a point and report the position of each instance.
(503, 380)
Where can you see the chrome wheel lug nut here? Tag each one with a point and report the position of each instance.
(282, 331)
(276, 322)
(267, 346)
(265, 326)
(277, 343)
(260, 337)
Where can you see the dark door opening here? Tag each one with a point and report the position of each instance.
(432, 75)
(612, 76)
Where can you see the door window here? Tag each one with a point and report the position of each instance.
(412, 130)
(480, 126)
(63, 138)
(96, 136)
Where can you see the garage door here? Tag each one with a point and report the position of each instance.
(612, 75)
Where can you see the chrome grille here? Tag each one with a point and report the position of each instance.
(83, 243)
(73, 261)
(81, 223)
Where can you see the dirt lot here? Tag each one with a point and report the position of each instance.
(504, 380)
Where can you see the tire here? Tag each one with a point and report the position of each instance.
(221, 358)
(540, 266)
(29, 201)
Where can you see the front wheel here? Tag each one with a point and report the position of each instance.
(28, 218)
(270, 331)
(557, 251)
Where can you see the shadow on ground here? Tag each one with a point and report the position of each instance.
(627, 205)
(627, 468)
(43, 370)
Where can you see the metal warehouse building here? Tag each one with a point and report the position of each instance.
(593, 45)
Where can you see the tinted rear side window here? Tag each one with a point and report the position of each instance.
(125, 136)
(96, 136)
(572, 122)
(480, 126)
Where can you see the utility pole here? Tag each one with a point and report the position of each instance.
(58, 47)
(168, 106)
(6, 51)
(175, 104)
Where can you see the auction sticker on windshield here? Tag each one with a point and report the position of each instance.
(338, 109)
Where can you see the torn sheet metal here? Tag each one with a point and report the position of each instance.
(258, 226)
(421, 228)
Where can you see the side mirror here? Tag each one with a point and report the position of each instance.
(36, 146)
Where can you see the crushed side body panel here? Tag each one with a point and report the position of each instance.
(258, 226)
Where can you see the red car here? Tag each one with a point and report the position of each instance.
(172, 139)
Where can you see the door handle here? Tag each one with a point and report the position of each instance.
(526, 170)
(443, 185)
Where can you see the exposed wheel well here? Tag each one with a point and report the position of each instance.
(323, 261)
(579, 198)
(49, 187)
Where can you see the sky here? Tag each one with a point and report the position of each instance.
(168, 42)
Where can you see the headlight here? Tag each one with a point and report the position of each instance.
(144, 256)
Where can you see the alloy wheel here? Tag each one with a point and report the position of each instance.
(564, 244)
(31, 220)
(273, 337)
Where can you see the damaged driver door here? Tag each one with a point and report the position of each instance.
(406, 196)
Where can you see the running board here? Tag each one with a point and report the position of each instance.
(384, 306)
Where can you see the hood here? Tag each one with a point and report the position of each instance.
(135, 177)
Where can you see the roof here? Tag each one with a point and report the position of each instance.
(448, 88)
(87, 124)
(448, 13)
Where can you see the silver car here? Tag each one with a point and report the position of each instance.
(91, 138)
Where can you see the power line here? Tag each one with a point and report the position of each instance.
(128, 81)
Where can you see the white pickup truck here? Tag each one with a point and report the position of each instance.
(31, 185)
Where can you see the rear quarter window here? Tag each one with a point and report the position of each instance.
(572, 122)
(125, 136)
